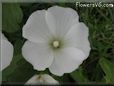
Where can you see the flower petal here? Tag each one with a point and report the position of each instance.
(33, 80)
(6, 52)
(38, 54)
(50, 20)
(64, 18)
(48, 79)
(78, 37)
(66, 61)
(42, 79)
(36, 28)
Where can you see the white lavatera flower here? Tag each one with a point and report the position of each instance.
(56, 40)
(6, 52)
(42, 79)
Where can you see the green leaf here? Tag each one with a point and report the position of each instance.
(12, 17)
(79, 76)
(19, 71)
(108, 69)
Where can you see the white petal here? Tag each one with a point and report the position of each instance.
(38, 54)
(42, 79)
(3, 37)
(64, 18)
(36, 28)
(78, 37)
(51, 22)
(66, 61)
(49, 79)
(6, 52)
(33, 80)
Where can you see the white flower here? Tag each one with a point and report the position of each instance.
(56, 40)
(42, 79)
(6, 52)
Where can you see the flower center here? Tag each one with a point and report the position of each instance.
(56, 44)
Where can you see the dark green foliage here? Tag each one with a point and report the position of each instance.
(12, 17)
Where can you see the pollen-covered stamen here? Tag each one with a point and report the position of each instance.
(56, 44)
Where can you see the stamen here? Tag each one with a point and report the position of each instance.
(56, 44)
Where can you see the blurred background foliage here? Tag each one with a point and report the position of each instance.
(98, 68)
